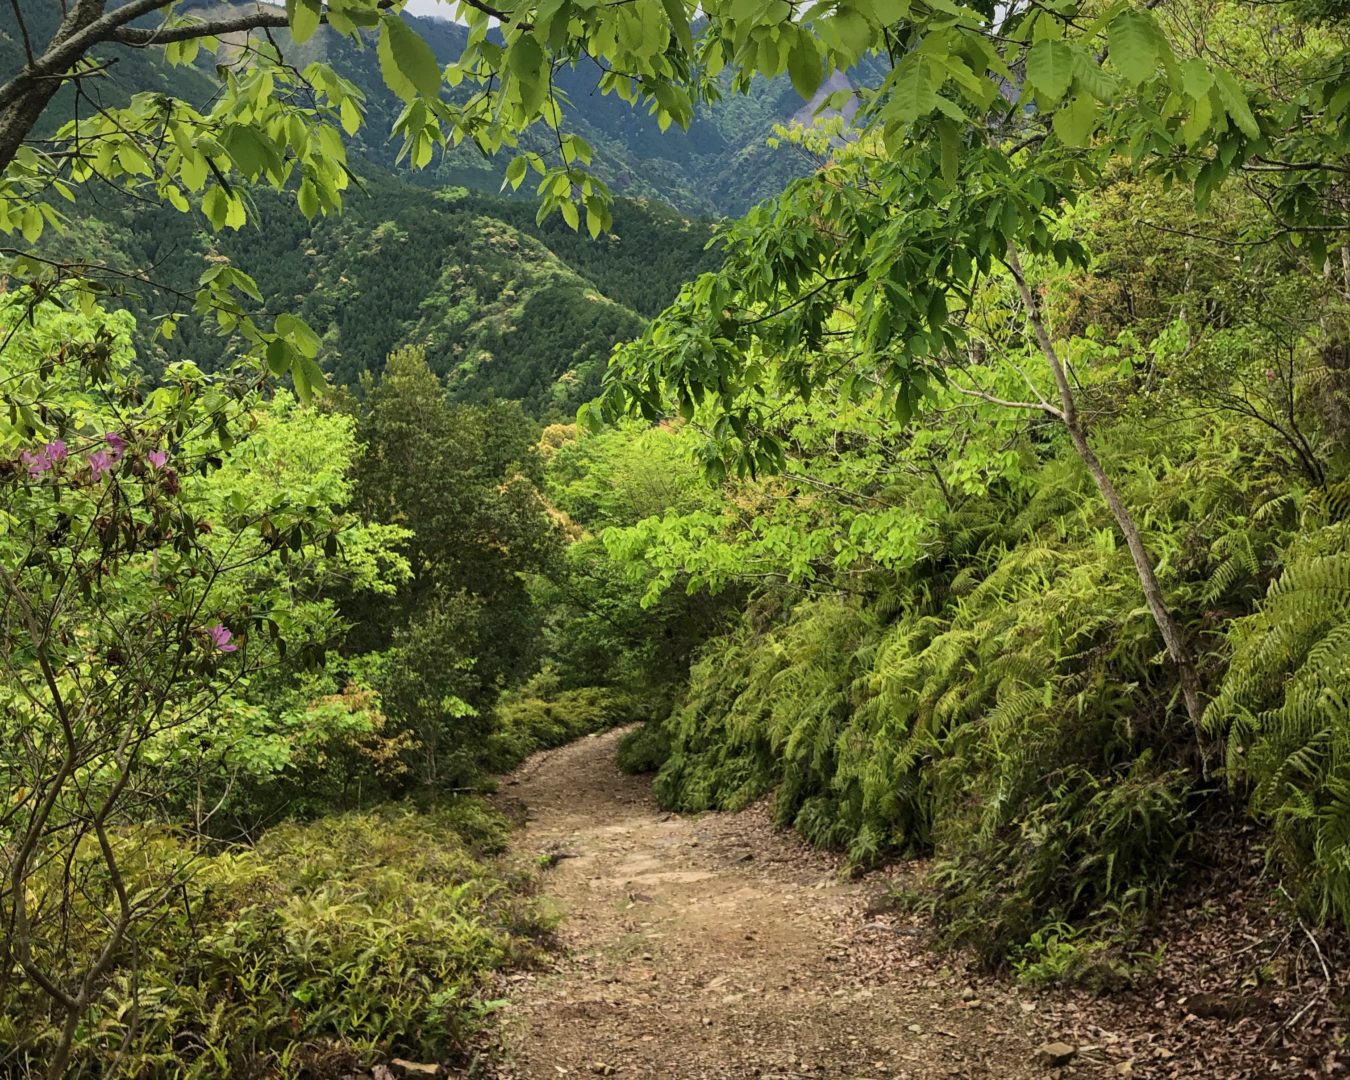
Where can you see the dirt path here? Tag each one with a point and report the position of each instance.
(718, 947)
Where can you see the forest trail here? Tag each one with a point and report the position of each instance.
(718, 947)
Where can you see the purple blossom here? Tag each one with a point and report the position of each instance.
(157, 458)
(37, 463)
(100, 462)
(44, 459)
(220, 638)
(117, 446)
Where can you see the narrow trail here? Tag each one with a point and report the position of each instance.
(718, 947)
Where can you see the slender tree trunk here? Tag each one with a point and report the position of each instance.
(1173, 637)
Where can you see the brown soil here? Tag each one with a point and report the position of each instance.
(718, 947)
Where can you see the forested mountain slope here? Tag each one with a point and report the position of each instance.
(721, 166)
(506, 308)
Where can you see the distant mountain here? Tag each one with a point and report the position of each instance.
(720, 166)
(506, 308)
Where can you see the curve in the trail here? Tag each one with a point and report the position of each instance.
(719, 947)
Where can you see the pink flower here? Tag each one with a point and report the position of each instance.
(100, 462)
(157, 458)
(44, 459)
(116, 446)
(37, 463)
(220, 638)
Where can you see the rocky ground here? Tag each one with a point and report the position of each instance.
(719, 947)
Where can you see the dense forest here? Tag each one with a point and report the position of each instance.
(503, 307)
(379, 413)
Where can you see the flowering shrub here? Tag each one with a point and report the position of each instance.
(140, 601)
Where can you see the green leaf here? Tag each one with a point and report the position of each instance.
(1050, 69)
(300, 333)
(526, 60)
(950, 138)
(804, 66)
(890, 12)
(1132, 41)
(406, 61)
(1235, 103)
(679, 21)
(307, 376)
(914, 95)
(525, 57)
(1196, 77)
(279, 356)
(1075, 121)
(304, 16)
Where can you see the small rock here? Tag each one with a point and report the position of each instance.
(968, 994)
(402, 1067)
(601, 1069)
(1054, 1054)
(1125, 1068)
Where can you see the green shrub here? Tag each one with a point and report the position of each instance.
(1285, 710)
(1012, 717)
(322, 947)
(526, 722)
(644, 749)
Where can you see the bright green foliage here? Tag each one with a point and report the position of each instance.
(539, 716)
(324, 945)
(947, 650)
(164, 551)
(1283, 708)
(597, 629)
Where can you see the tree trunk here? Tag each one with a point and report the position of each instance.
(24, 98)
(1173, 637)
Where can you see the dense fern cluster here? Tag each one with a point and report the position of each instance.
(1001, 698)
(1010, 720)
(1285, 711)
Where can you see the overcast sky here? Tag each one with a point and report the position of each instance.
(429, 7)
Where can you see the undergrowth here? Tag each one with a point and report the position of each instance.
(539, 716)
(325, 946)
(1009, 710)
(644, 749)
